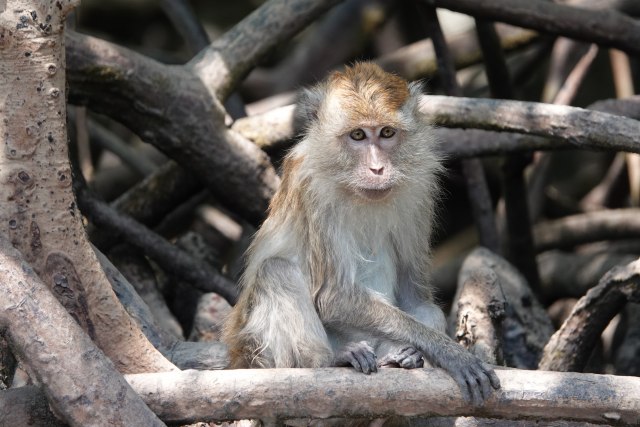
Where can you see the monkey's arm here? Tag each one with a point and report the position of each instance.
(365, 311)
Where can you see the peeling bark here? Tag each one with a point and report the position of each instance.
(479, 309)
(526, 327)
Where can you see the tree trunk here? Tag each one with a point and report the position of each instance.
(38, 212)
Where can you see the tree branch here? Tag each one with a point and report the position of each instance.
(228, 59)
(570, 347)
(586, 228)
(190, 129)
(561, 127)
(604, 27)
(190, 396)
(196, 273)
(78, 380)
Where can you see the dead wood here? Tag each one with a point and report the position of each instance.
(589, 227)
(478, 311)
(190, 396)
(526, 327)
(569, 348)
(78, 380)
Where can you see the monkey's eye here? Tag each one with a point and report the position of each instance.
(387, 132)
(357, 135)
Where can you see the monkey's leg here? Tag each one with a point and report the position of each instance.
(283, 321)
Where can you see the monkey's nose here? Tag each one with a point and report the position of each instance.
(377, 171)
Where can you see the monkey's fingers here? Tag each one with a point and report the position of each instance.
(488, 370)
(474, 385)
(360, 355)
(483, 379)
(410, 358)
(460, 379)
(367, 361)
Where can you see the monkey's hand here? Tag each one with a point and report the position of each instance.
(474, 377)
(408, 358)
(360, 355)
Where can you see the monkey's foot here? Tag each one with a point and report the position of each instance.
(360, 355)
(407, 357)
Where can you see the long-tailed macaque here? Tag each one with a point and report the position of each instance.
(338, 274)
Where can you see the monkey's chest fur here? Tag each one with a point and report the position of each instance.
(375, 270)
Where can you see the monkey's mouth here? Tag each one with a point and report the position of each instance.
(374, 194)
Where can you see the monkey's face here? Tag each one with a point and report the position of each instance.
(370, 151)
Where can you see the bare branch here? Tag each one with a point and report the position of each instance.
(479, 309)
(570, 347)
(79, 381)
(581, 128)
(561, 126)
(198, 274)
(603, 27)
(228, 59)
(586, 228)
(190, 129)
(190, 396)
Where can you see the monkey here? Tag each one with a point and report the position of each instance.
(338, 273)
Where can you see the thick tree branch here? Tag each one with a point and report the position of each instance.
(604, 27)
(570, 347)
(198, 274)
(190, 396)
(586, 228)
(561, 127)
(190, 128)
(38, 212)
(228, 59)
(581, 128)
(78, 380)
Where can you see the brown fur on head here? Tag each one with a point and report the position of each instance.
(369, 92)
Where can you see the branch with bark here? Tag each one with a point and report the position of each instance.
(281, 394)
(79, 381)
(569, 348)
(605, 27)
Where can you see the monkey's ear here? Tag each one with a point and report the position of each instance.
(307, 107)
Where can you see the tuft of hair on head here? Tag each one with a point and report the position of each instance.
(366, 91)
